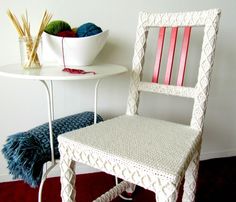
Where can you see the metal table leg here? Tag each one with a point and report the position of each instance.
(95, 100)
(50, 102)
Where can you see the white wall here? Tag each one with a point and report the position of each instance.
(23, 103)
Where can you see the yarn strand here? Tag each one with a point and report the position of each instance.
(63, 54)
(71, 70)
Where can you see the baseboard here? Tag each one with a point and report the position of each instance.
(82, 169)
(6, 178)
(221, 154)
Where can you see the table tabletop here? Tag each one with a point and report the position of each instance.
(56, 73)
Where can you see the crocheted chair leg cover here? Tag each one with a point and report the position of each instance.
(191, 179)
(68, 177)
(170, 198)
(166, 191)
(130, 189)
(114, 192)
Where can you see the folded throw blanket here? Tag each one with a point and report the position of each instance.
(26, 152)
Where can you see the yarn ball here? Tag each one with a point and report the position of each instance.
(88, 29)
(74, 29)
(67, 33)
(57, 26)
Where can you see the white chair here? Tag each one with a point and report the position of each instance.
(154, 154)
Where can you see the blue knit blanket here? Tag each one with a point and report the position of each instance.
(26, 152)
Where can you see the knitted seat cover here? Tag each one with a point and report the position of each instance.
(26, 152)
(161, 145)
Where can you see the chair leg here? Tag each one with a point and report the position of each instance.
(113, 192)
(130, 190)
(168, 192)
(191, 179)
(68, 178)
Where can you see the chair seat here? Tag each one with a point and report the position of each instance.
(160, 145)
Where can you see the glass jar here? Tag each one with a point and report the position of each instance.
(30, 52)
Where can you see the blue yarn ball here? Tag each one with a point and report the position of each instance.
(88, 29)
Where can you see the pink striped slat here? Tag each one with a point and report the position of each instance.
(183, 57)
(160, 43)
(170, 61)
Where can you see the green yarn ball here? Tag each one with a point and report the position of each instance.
(57, 26)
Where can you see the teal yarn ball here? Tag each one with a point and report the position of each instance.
(57, 26)
(88, 29)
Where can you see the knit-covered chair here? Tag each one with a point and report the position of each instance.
(154, 154)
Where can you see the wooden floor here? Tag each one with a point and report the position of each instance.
(216, 183)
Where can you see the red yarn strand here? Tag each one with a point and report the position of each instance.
(71, 70)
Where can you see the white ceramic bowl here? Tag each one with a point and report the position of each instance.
(77, 51)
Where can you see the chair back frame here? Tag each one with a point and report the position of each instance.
(209, 19)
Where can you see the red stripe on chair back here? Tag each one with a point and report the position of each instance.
(183, 57)
(159, 51)
(170, 61)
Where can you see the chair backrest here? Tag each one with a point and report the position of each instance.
(208, 19)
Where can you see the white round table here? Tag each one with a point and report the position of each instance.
(47, 75)
(52, 73)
